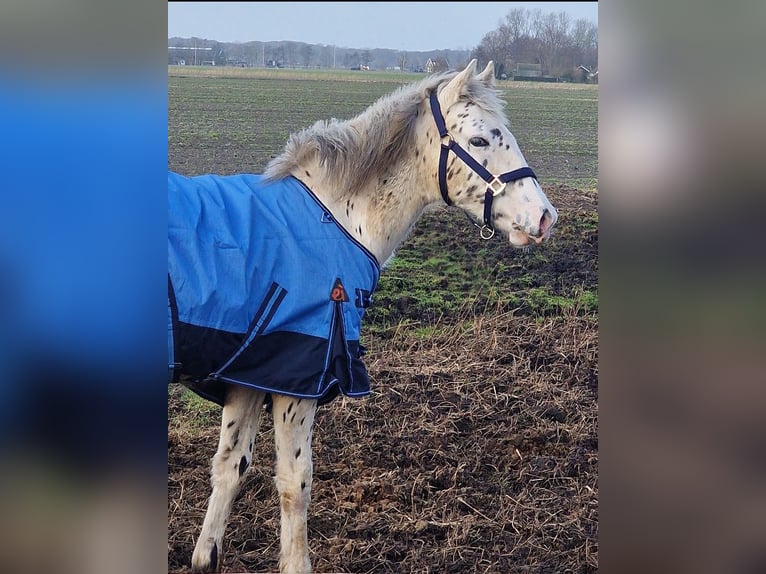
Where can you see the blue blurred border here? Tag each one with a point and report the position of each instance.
(83, 216)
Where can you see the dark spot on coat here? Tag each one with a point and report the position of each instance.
(302, 420)
(243, 464)
(214, 557)
(297, 453)
(231, 423)
(470, 175)
(417, 152)
(484, 163)
(453, 126)
(289, 407)
(292, 418)
(385, 181)
(495, 132)
(471, 189)
(284, 417)
(303, 485)
(308, 174)
(507, 146)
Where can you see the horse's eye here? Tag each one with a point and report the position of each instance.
(478, 142)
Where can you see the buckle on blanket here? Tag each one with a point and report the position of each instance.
(326, 217)
(363, 298)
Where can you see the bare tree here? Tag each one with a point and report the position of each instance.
(546, 39)
(494, 46)
(518, 24)
(327, 54)
(585, 41)
(290, 54)
(552, 30)
(307, 51)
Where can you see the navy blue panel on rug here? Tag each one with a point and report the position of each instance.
(263, 289)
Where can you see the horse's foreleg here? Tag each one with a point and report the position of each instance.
(293, 422)
(239, 425)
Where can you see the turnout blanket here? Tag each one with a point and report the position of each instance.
(265, 289)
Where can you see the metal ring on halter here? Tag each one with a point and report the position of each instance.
(496, 190)
(449, 139)
(482, 232)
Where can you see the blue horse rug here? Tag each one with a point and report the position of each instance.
(265, 289)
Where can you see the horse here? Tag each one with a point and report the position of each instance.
(442, 139)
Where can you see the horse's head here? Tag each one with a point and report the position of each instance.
(481, 168)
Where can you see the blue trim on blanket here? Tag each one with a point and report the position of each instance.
(255, 268)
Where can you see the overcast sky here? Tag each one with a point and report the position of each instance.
(416, 26)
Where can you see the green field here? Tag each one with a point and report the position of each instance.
(212, 112)
(477, 450)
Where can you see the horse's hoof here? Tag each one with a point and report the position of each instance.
(205, 558)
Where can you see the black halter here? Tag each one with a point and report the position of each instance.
(496, 184)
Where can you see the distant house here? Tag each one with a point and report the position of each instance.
(524, 71)
(237, 62)
(434, 65)
(587, 75)
(532, 73)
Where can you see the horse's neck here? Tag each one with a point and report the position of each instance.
(382, 214)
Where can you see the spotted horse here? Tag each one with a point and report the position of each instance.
(270, 275)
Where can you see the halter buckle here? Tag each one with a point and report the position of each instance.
(486, 232)
(496, 186)
(449, 140)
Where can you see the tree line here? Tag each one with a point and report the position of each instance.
(291, 54)
(549, 42)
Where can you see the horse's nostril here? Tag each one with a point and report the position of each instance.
(546, 222)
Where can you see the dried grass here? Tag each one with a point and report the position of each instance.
(476, 452)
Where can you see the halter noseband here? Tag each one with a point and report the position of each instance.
(495, 183)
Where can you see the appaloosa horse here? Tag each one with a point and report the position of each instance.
(244, 331)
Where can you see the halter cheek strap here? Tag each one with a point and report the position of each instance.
(495, 184)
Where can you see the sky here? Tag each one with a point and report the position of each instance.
(408, 26)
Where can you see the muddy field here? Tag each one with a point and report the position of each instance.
(477, 450)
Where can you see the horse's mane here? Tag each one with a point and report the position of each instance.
(355, 151)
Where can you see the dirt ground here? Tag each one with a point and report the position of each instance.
(476, 452)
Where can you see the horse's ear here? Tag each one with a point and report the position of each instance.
(488, 75)
(452, 91)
